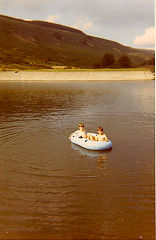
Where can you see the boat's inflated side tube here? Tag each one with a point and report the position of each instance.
(89, 144)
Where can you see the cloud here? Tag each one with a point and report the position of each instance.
(147, 39)
(52, 18)
(83, 24)
(88, 25)
(26, 19)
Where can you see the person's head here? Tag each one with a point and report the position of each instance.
(81, 126)
(100, 130)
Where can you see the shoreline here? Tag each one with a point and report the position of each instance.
(76, 75)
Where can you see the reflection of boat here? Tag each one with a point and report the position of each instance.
(89, 144)
(89, 153)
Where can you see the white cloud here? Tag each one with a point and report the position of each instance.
(147, 39)
(52, 18)
(83, 24)
(27, 19)
(88, 25)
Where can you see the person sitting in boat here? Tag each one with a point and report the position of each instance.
(101, 135)
(82, 133)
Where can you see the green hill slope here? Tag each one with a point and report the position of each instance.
(37, 44)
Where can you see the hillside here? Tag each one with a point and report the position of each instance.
(37, 44)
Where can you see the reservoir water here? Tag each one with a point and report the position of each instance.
(50, 189)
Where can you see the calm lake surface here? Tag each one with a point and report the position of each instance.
(51, 189)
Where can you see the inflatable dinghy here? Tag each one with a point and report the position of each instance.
(89, 144)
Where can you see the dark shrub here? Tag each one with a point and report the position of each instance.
(108, 60)
(124, 61)
(97, 65)
(152, 61)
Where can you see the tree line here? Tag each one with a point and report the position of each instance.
(108, 61)
(124, 61)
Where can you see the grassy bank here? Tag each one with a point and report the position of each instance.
(76, 70)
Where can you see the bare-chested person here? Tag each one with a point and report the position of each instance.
(82, 133)
(101, 135)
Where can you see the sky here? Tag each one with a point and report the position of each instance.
(130, 22)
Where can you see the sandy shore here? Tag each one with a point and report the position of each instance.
(76, 75)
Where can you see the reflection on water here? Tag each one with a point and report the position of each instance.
(56, 190)
(89, 153)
